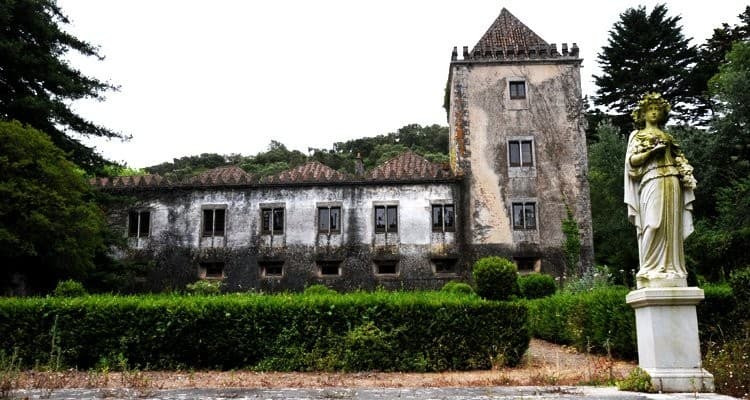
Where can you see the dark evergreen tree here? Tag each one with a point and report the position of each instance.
(646, 52)
(37, 83)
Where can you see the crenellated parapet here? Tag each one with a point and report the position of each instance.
(517, 53)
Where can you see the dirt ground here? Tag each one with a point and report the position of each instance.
(544, 364)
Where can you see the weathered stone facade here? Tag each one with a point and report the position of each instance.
(518, 161)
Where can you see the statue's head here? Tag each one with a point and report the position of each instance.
(651, 101)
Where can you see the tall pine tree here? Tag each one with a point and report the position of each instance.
(646, 52)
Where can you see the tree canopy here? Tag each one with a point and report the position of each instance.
(37, 83)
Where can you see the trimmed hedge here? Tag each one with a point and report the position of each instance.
(599, 320)
(421, 331)
(536, 286)
(496, 278)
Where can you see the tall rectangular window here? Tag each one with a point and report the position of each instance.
(139, 224)
(524, 215)
(272, 220)
(213, 221)
(329, 219)
(517, 90)
(443, 218)
(386, 219)
(520, 153)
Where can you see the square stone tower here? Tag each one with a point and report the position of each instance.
(517, 135)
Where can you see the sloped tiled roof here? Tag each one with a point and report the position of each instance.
(151, 180)
(230, 175)
(408, 166)
(508, 32)
(310, 172)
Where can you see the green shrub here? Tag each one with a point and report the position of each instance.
(69, 288)
(637, 381)
(204, 288)
(458, 288)
(535, 286)
(717, 319)
(414, 331)
(729, 362)
(496, 278)
(739, 280)
(319, 289)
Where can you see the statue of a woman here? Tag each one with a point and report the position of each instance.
(659, 187)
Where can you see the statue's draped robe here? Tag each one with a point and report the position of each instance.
(661, 210)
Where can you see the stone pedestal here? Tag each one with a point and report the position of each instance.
(668, 346)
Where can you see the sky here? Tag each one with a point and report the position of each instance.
(229, 77)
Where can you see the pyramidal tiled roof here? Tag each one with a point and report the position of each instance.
(229, 175)
(508, 32)
(408, 166)
(312, 171)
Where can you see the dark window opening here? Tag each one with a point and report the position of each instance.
(445, 266)
(524, 216)
(526, 264)
(443, 218)
(272, 268)
(386, 218)
(329, 268)
(213, 222)
(272, 220)
(517, 90)
(386, 267)
(329, 219)
(212, 270)
(520, 153)
(139, 224)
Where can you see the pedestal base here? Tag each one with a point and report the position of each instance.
(668, 345)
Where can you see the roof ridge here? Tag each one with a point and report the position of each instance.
(507, 31)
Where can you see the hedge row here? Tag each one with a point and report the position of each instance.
(423, 331)
(600, 321)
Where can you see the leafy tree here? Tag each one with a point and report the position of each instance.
(274, 160)
(49, 227)
(646, 52)
(37, 84)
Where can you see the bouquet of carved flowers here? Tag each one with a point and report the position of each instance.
(686, 172)
(646, 143)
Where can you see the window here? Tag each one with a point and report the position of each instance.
(139, 224)
(272, 220)
(213, 221)
(272, 269)
(520, 153)
(329, 268)
(524, 215)
(444, 265)
(329, 219)
(526, 264)
(212, 270)
(386, 218)
(443, 218)
(386, 267)
(517, 90)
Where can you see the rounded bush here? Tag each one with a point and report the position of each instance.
(496, 278)
(456, 287)
(536, 286)
(70, 288)
(319, 289)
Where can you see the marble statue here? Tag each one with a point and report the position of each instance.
(659, 187)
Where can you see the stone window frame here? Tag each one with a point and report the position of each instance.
(138, 232)
(521, 140)
(263, 267)
(438, 264)
(524, 203)
(320, 266)
(214, 208)
(442, 204)
(513, 85)
(385, 205)
(272, 207)
(395, 263)
(203, 270)
(329, 206)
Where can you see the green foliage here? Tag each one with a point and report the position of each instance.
(496, 278)
(37, 83)
(318, 289)
(571, 246)
(69, 288)
(637, 380)
(729, 362)
(597, 277)
(717, 314)
(423, 331)
(10, 373)
(456, 287)
(50, 229)
(535, 286)
(204, 288)
(645, 52)
(740, 283)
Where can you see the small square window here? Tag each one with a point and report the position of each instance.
(517, 90)
(272, 269)
(329, 268)
(520, 153)
(272, 220)
(386, 267)
(212, 270)
(139, 224)
(386, 219)
(213, 222)
(524, 216)
(443, 218)
(329, 219)
(526, 264)
(445, 265)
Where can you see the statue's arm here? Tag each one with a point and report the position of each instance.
(636, 160)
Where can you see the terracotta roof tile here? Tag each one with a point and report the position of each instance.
(311, 172)
(230, 175)
(408, 166)
(152, 180)
(508, 32)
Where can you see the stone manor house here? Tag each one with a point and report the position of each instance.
(518, 163)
